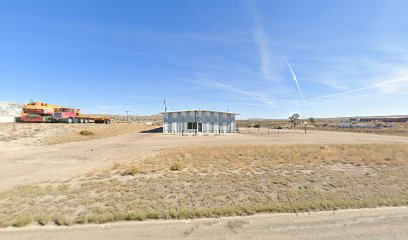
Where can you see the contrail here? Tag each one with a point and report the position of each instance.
(294, 77)
(261, 42)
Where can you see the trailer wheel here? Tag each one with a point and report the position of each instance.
(81, 120)
(70, 120)
(107, 121)
(86, 120)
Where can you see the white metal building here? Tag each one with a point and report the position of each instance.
(198, 121)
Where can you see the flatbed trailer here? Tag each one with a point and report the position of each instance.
(85, 119)
(101, 120)
(67, 118)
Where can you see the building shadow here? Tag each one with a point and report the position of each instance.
(154, 130)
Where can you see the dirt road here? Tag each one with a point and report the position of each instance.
(31, 164)
(379, 223)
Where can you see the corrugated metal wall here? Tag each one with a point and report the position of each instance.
(212, 122)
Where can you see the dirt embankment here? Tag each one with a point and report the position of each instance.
(361, 224)
(18, 134)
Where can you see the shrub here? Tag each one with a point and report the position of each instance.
(63, 221)
(131, 171)
(43, 220)
(176, 166)
(86, 133)
(22, 221)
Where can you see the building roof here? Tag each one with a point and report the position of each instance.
(202, 110)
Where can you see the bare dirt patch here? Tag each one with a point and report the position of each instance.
(220, 181)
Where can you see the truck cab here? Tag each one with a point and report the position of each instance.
(65, 115)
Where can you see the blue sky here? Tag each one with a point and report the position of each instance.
(267, 59)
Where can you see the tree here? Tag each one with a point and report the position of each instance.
(312, 120)
(294, 119)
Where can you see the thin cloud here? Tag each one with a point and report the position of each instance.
(295, 79)
(226, 66)
(398, 85)
(201, 80)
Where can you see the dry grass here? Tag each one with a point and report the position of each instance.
(220, 181)
(250, 157)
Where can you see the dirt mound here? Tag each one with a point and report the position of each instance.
(9, 110)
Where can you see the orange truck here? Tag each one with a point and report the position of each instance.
(38, 112)
(45, 112)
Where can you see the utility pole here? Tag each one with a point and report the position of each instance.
(165, 105)
(127, 116)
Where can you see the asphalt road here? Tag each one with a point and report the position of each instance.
(379, 223)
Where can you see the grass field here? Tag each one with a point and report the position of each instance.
(219, 181)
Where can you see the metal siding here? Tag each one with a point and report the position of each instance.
(233, 122)
(169, 120)
(178, 122)
(228, 122)
(220, 125)
(165, 123)
(170, 117)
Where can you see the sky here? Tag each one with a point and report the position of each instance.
(262, 59)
